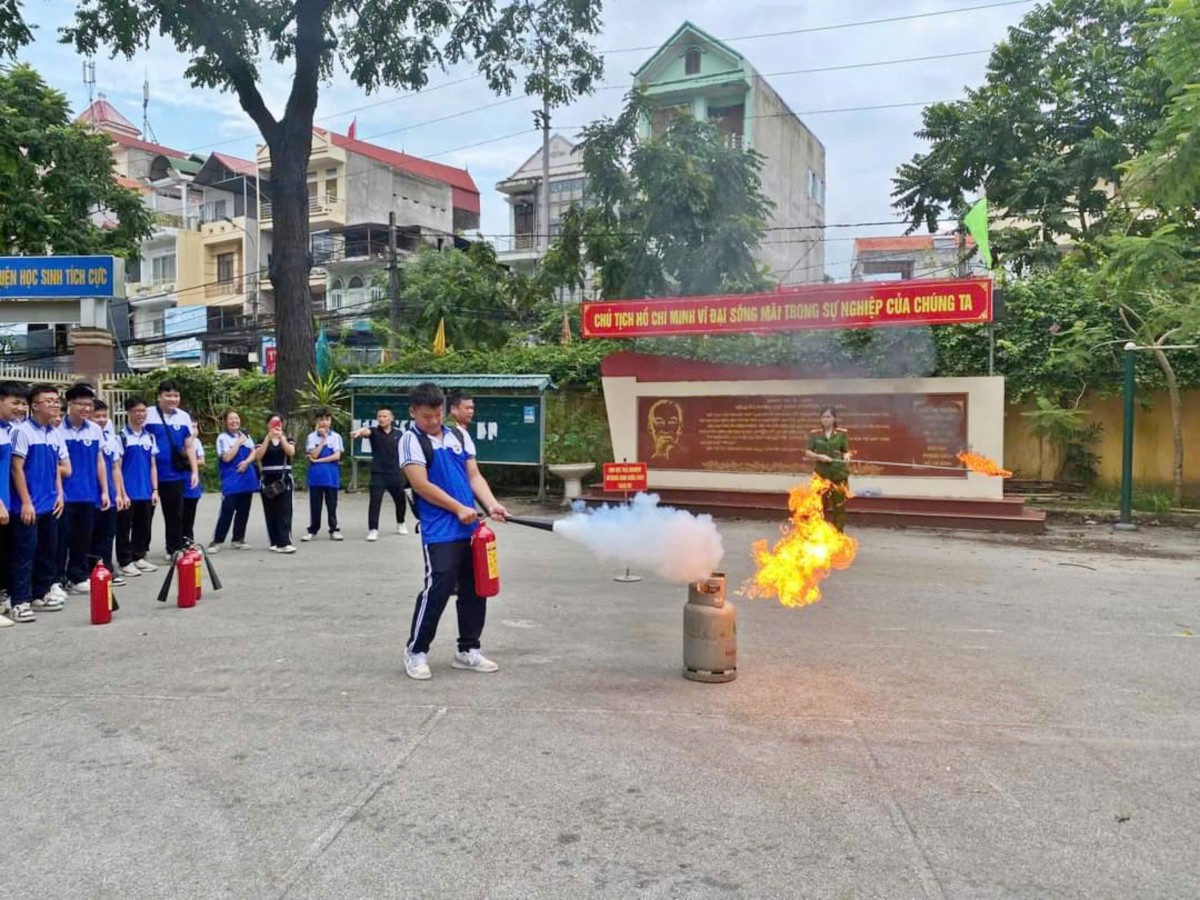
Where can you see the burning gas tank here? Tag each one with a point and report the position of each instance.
(709, 632)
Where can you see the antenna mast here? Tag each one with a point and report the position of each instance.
(146, 129)
(89, 79)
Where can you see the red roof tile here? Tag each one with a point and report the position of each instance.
(139, 144)
(236, 164)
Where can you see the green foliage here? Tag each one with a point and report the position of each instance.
(1069, 97)
(207, 395)
(575, 365)
(576, 431)
(468, 290)
(1168, 172)
(54, 174)
(1067, 430)
(680, 214)
(324, 392)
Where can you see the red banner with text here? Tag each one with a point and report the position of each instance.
(857, 304)
(625, 477)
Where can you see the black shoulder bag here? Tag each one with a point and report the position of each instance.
(179, 457)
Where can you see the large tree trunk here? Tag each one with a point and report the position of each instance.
(1176, 425)
(290, 264)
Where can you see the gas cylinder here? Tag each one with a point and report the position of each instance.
(485, 562)
(187, 566)
(101, 587)
(709, 632)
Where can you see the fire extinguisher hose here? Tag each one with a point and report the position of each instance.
(166, 585)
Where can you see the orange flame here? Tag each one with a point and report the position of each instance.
(809, 550)
(983, 465)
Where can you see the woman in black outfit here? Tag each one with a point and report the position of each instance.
(275, 453)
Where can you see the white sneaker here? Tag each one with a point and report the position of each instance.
(308, 536)
(416, 665)
(241, 545)
(57, 592)
(372, 535)
(145, 565)
(131, 571)
(473, 661)
(336, 536)
(46, 604)
(23, 612)
(401, 528)
(81, 588)
(5, 621)
(288, 549)
(167, 557)
(212, 549)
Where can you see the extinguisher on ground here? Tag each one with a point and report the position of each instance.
(100, 585)
(188, 565)
(485, 561)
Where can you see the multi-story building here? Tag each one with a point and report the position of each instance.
(353, 188)
(695, 74)
(197, 280)
(914, 256)
(525, 195)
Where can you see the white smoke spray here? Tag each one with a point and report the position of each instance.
(675, 544)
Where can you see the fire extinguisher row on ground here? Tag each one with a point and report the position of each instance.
(190, 564)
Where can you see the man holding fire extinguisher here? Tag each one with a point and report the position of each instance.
(440, 465)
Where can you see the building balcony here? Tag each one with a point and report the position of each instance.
(151, 295)
(232, 287)
(323, 211)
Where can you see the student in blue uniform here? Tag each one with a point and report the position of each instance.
(85, 489)
(236, 453)
(105, 530)
(440, 465)
(192, 494)
(38, 462)
(324, 448)
(12, 395)
(139, 473)
(178, 468)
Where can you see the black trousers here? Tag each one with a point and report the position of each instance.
(187, 519)
(35, 551)
(6, 551)
(133, 532)
(381, 485)
(317, 496)
(170, 500)
(278, 513)
(77, 523)
(448, 569)
(235, 511)
(104, 531)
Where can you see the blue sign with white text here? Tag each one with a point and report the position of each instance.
(57, 277)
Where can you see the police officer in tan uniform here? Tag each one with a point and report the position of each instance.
(829, 448)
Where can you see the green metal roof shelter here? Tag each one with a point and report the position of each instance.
(510, 414)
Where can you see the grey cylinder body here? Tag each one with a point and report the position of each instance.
(709, 632)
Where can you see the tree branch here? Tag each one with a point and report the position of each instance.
(241, 75)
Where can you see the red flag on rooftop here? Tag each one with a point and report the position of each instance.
(352, 133)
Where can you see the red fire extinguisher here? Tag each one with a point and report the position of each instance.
(102, 594)
(189, 579)
(485, 562)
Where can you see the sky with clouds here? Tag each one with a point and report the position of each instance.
(863, 146)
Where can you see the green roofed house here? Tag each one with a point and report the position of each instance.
(695, 74)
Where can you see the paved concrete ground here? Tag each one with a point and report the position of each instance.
(961, 717)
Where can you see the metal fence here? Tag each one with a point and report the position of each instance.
(105, 385)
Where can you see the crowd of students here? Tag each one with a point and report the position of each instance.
(74, 491)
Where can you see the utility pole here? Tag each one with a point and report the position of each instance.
(545, 229)
(393, 286)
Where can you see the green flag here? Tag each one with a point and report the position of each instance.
(324, 357)
(976, 223)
